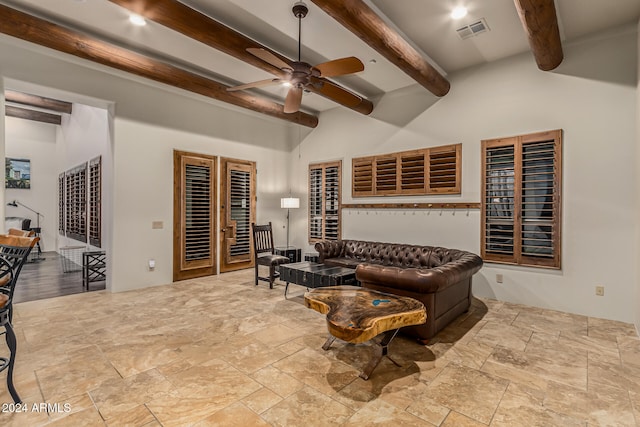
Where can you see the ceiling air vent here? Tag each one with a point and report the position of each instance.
(473, 29)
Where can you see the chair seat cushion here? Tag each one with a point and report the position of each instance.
(273, 260)
(3, 300)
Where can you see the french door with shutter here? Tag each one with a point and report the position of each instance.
(194, 215)
(237, 212)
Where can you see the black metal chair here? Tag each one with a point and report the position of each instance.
(14, 251)
(264, 252)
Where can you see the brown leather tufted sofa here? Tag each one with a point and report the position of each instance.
(438, 277)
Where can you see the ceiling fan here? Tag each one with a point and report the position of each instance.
(301, 75)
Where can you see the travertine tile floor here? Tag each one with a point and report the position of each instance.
(220, 351)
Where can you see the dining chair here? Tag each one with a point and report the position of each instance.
(264, 252)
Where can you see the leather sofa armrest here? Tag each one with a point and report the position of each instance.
(328, 249)
(419, 280)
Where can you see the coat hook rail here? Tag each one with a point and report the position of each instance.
(453, 205)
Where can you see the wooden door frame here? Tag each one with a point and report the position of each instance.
(224, 188)
(178, 223)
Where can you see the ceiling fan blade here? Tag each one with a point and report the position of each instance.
(268, 57)
(261, 83)
(293, 100)
(340, 67)
(334, 92)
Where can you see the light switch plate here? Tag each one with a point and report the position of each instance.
(157, 225)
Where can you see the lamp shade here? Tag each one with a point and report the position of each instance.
(289, 203)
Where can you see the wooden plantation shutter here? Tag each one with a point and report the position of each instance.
(315, 204)
(412, 176)
(445, 171)
(95, 201)
(325, 201)
(386, 175)
(435, 170)
(332, 180)
(76, 203)
(362, 177)
(194, 215)
(521, 199)
(61, 204)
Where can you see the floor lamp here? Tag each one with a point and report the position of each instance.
(289, 203)
(37, 230)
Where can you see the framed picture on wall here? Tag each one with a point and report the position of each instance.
(17, 173)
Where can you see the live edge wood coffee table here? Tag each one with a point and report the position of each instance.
(357, 315)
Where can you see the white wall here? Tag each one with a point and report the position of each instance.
(144, 193)
(148, 121)
(510, 97)
(36, 141)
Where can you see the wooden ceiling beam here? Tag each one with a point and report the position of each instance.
(35, 30)
(540, 22)
(185, 20)
(38, 101)
(362, 21)
(38, 116)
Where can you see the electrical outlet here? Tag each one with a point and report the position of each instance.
(152, 264)
(499, 278)
(600, 291)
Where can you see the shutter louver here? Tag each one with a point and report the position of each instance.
(386, 174)
(443, 170)
(315, 204)
(499, 201)
(538, 178)
(332, 203)
(241, 212)
(197, 232)
(362, 178)
(412, 173)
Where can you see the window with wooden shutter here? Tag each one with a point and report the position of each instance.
(521, 199)
(95, 201)
(324, 201)
(435, 170)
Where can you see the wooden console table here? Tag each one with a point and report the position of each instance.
(357, 315)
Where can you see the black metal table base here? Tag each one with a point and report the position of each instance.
(380, 350)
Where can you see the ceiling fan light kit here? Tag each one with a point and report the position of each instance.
(301, 75)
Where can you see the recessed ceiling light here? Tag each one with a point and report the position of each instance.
(459, 12)
(372, 61)
(137, 20)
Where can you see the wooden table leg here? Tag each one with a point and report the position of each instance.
(328, 342)
(379, 351)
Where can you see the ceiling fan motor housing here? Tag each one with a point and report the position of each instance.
(300, 9)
